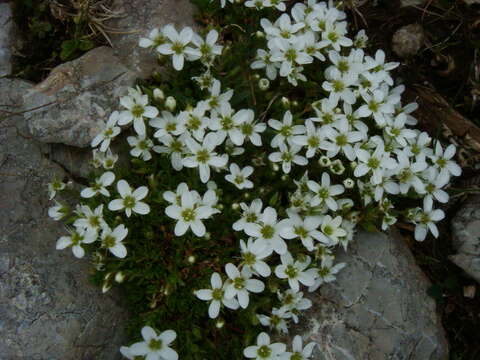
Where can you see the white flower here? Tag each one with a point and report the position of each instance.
(75, 240)
(264, 350)
(177, 46)
(54, 186)
(277, 321)
(216, 296)
(342, 139)
(239, 177)
(331, 227)
(374, 163)
(294, 271)
(252, 256)
(443, 161)
(58, 212)
(107, 159)
(263, 60)
(189, 213)
(155, 39)
(285, 130)
(227, 123)
(251, 131)
(251, 214)
(130, 201)
(208, 48)
(433, 186)
(339, 86)
(176, 197)
(141, 147)
(112, 240)
(425, 220)
(313, 139)
(217, 99)
(240, 284)
(90, 220)
(100, 186)
(174, 147)
(290, 54)
(137, 108)
(325, 192)
(268, 231)
(107, 134)
(303, 228)
(300, 352)
(398, 131)
(194, 120)
(168, 124)
(203, 156)
(294, 302)
(155, 347)
(326, 273)
(287, 156)
(334, 35)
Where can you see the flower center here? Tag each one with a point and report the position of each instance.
(203, 156)
(291, 271)
(373, 163)
(188, 215)
(137, 110)
(177, 48)
(155, 344)
(267, 231)
(109, 241)
(249, 258)
(239, 283)
(129, 202)
(217, 294)
(264, 351)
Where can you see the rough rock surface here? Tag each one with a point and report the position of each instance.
(73, 103)
(466, 238)
(408, 40)
(139, 17)
(7, 30)
(48, 309)
(378, 309)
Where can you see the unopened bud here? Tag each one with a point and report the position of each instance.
(191, 259)
(171, 103)
(119, 277)
(263, 84)
(158, 94)
(235, 206)
(219, 323)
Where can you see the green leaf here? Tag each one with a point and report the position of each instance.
(68, 49)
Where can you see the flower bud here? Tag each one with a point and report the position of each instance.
(324, 161)
(260, 35)
(219, 323)
(235, 206)
(171, 103)
(275, 167)
(191, 259)
(158, 94)
(263, 84)
(119, 277)
(285, 102)
(106, 286)
(348, 183)
(207, 236)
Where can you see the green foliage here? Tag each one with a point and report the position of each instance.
(50, 38)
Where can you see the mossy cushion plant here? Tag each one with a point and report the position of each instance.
(276, 137)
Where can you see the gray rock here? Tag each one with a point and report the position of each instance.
(139, 17)
(378, 309)
(408, 40)
(7, 32)
(48, 309)
(466, 238)
(72, 105)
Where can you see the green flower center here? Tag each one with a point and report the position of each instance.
(108, 132)
(373, 163)
(267, 231)
(194, 123)
(343, 66)
(286, 130)
(239, 283)
(291, 55)
(177, 48)
(291, 271)
(333, 37)
(328, 230)
(155, 344)
(251, 218)
(247, 129)
(287, 156)
(171, 127)
(217, 294)
(188, 215)
(129, 202)
(76, 238)
(264, 351)
(94, 221)
(227, 123)
(301, 232)
(323, 193)
(341, 140)
(109, 241)
(323, 271)
(203, 156)
(137, 110)
(313, 142)
(249, 258)
(338, 85)
(239, 179)
(441, 162)
(296, 356)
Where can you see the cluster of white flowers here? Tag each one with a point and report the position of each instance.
(183, 45)
(358, 134)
